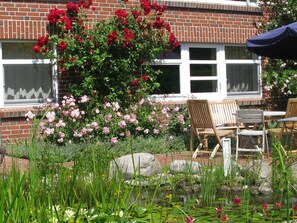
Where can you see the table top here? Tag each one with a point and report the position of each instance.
(290, 119)
(274, 113)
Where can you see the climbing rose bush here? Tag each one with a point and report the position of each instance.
(113, 57)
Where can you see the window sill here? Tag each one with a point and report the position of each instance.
(216, 5)
(18, 112)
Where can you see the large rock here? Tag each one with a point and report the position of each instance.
(184, 166)
(138, 164)
(261, 170)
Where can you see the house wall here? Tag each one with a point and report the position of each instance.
(191, 22)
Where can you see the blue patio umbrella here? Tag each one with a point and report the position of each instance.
(280, 43)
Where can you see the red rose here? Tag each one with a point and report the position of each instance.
(135, 82)
(144, 77)
(36, 48)
(72, 7)
(62, 46)
(264, 205)
(236, 200)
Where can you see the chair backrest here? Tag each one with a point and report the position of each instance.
(200, 114)
(223, 112)
(291, 110)
(249, 116)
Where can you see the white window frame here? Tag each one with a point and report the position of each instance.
(185, 78)
(224, 2)
(24, 103)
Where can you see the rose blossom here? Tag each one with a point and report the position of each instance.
(122, 124)
(29, 115)
(84, 99)
(236, 200)
(105, 130)
(50, 116)
(60, 123)
(114, 140)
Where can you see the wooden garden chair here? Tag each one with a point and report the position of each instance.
(291, 111)
(203, 126)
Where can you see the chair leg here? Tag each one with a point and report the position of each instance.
(214, 151)
(266, 139)
(197, 150)
(237, 146)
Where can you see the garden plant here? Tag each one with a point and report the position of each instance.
(107, 114)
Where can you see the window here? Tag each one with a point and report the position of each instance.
(27, 77)
(208, 71)
(225, 2)
(242, 71)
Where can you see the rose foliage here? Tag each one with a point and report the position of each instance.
(112, 57)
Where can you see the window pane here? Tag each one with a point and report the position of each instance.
(169, 80)
(242, 77)
(175, 54)
(200, 70)
(28, 81)
(238, 53)
(14, 50)
(203, 54)
(204, 86)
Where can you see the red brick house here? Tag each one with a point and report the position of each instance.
(211, 63)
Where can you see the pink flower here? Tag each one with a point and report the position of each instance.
(95, 125)
(127, 117)
(108, 117)
(84, 99)
(236, 200)
(181, 119)
(60, 123)
(218, 211)
(114, 140)
(105, 130)
(190, 219)
(60, 140)
(49, 131)
(122, 124)
(278, 205)
(156, 131)
(75, 113)
(264, 205)
(225, 218)
(61, 134)
(176, 109)
(29, 115)
(50, 116)
(295, 208)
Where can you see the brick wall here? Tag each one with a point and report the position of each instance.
(191, 22)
